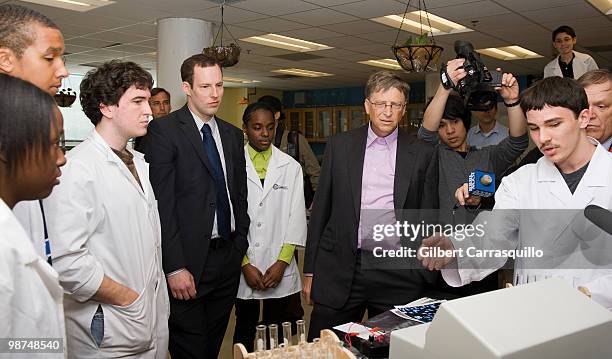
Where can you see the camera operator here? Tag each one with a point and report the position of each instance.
(446, 120)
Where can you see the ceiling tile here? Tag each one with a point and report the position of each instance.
(356, 27)
(131, 10)
(273, 24)
(231, 15)
(145, 29)
(275, 7)
(115, 36)
(331, 2)
(471, 11)
(311, 33)
(527, 5)
(73, 30)
(75, 49)
(82, 41)
(346, 41)
(372, 8)
(319, 17)
(132, 49)
(177, 7)
(385, 37)
(152, 43)
(89, 20)
(563, 14)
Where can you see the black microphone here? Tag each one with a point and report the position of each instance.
(600, 217)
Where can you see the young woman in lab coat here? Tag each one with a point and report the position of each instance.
(30, 158)
(278, 224)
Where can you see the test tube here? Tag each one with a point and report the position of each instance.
(260, 338)
(301, 331)
(273, 329)
(287, 336)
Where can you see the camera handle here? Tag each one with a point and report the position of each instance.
(445, 78)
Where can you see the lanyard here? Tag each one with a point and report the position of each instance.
(47, 242)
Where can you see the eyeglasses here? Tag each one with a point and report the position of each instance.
(381, 106)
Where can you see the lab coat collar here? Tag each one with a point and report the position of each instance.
(112, 157)
(597, 175)
(273, 172)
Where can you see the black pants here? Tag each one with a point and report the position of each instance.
(373, 290)
(275, 311)
(197, 326)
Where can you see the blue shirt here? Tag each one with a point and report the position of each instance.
(479, 139)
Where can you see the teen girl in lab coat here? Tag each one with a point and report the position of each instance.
(278, 224)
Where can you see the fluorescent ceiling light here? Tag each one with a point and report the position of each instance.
(605, 6)
(301, 72)
(238, 80)
(286, 42)
(76, 5)
(509, 53)
(384, 63)
(416, 22)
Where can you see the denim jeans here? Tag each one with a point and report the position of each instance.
(97, 326)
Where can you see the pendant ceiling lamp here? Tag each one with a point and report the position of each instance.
(66, 95)
(228, 55)
(418, 54)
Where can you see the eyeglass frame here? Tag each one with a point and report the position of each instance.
(381, 106)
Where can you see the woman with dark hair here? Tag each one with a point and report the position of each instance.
(30, 158)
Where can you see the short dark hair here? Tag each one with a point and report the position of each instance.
(25, 120)
(252, 108)
(190, 63)
(107, 83)
(384, 80)
(555, 92)
(157, 90)
(455, 109)
(563, 29)
(16, 32)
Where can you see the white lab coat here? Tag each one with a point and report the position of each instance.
(278, 216)
(536, 187)
(29, 215)
(30, 294)
(581, 64)
(100, 223)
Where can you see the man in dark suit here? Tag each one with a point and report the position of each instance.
(198, 173)
(373, 168)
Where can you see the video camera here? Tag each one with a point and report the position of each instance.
(478, 86)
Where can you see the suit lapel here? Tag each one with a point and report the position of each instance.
(228, 153)
(355, 167)
(403, 171)
(192, 133)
